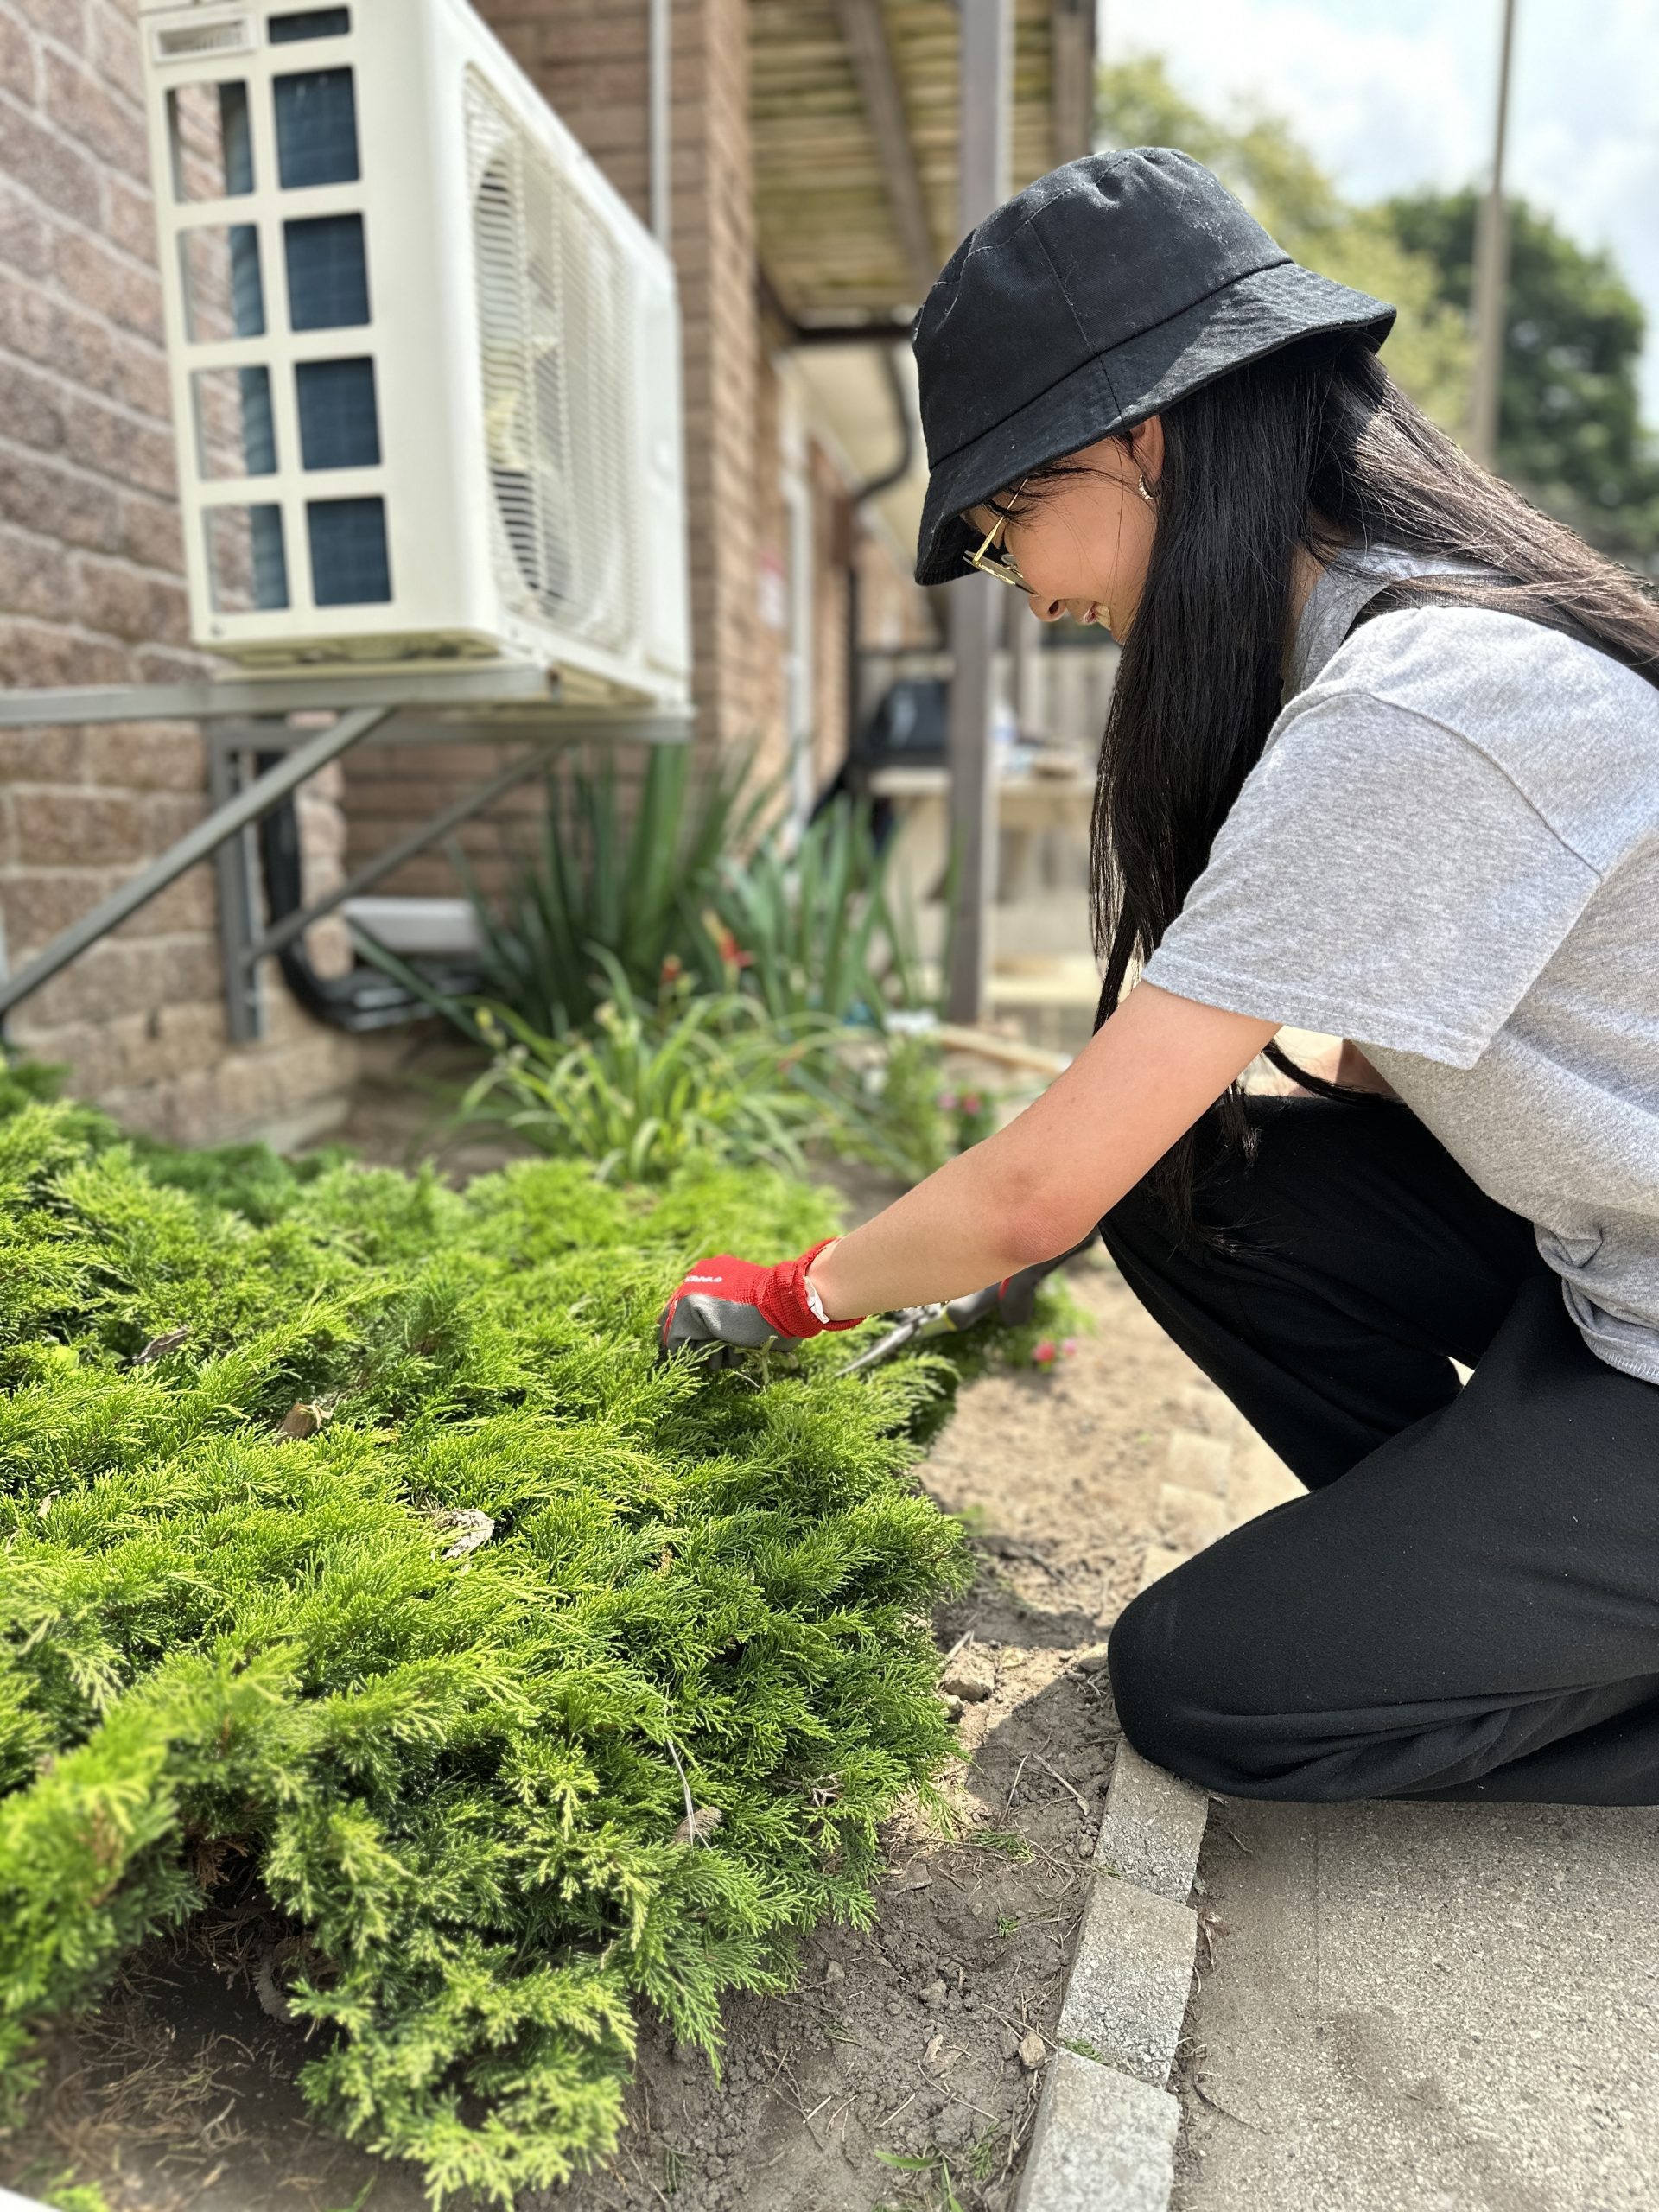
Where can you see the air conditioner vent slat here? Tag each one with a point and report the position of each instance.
(183, 41)
(554, 302)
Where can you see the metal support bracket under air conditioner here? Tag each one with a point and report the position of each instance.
(246, 716)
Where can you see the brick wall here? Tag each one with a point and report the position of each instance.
(91, 564)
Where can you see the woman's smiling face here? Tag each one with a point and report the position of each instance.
(1082, 540)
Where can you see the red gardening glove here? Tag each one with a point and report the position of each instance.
(734, 1304)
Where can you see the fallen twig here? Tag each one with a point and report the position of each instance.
(1082, 1804)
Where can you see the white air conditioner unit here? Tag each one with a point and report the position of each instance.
(425, 360)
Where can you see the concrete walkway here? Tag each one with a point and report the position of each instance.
(1417, 2008)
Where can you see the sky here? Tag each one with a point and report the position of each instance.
(1389, 94)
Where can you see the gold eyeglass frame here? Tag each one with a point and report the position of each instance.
(988, 557)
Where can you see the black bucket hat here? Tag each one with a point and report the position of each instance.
(1105, 291)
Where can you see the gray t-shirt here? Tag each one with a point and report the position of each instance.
(1449, 851)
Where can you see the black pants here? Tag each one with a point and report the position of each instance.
(1466, 1603)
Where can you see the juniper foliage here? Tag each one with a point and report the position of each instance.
(462, 1777)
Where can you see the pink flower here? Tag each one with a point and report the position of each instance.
(1068, 1348)
(1046, 1353)
(948, 1101)
(973, 1104)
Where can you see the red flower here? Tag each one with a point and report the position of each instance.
(1046, 1353)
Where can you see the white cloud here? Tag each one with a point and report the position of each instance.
(1390, 100)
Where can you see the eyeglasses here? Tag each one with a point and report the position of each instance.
(988, 557)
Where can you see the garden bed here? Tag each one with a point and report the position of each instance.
(178, 2091)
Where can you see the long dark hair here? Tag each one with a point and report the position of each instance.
(1314, 447)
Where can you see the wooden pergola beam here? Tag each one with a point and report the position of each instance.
(865, 35)
(1071, 78)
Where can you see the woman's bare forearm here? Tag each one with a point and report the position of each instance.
(1037, 1187)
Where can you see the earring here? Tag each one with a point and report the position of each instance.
(1140, 485)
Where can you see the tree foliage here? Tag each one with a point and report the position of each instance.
(1255, 155)
(1570, 432)
(232, 1635)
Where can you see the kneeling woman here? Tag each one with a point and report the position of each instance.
(1383, 761)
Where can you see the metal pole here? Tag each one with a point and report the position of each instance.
(1492, 275)
(660, 67)
(258, 798)
(986, 74)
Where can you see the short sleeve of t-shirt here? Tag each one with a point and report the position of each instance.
(1381, 876)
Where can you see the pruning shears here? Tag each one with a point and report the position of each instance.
(1012, 1301)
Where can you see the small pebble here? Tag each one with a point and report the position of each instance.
(971, 1674)
(933, 1993)
(1032, 2051)
(894, 2007)
(835, 1971)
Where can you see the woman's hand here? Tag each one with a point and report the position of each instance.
(1037, 1187)
(736, 1304)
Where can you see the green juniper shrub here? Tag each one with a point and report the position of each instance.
(481, 1783)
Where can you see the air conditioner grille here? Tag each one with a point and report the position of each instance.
(181, 41)
(554, 319)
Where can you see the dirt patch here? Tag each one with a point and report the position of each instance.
(904, 2069)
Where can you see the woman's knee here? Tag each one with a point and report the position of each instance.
(1199, 1687)
(1158, 1685)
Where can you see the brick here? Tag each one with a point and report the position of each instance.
(19, 72)
(129, 293)
(1191, 1518)
(138, 380)
(168, 816)
(167, 665)
(31, 408)
(68, 827)
(34, 656)
(48, 331)
(1130, 1980)
(38, 904)
(146, 757)
(130, 217)
(58, 173)
(80, 510)
(1201, 1463)
(23, 236)
(1102, 2143)
(44, 756)
(112, 444)
(149, 532)
(192, 903)
(1154, 1827)
(113, 45)
(88, 112)
(34, 579)
(63, 21)
(128, 603)
(114, 979)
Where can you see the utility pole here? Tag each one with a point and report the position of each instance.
(977, 607)
(1492, 275)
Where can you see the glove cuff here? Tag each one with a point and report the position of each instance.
(787, 1306)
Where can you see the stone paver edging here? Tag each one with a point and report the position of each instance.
(1104, 2138)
